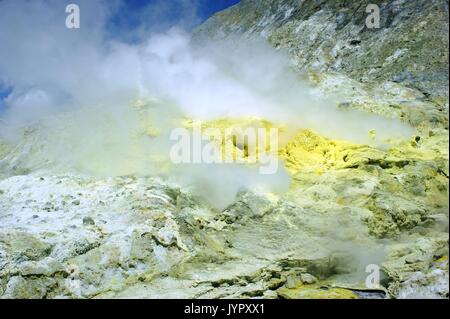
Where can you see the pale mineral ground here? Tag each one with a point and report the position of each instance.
(343, 200)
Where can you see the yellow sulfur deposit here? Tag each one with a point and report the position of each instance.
(234, 137)
(315, 292)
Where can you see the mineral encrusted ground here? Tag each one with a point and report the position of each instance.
(349, 205)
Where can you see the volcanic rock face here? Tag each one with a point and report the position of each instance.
(410, 47)
(71, 235)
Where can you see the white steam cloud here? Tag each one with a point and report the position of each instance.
(79, 84)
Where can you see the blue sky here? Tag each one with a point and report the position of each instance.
(211, 6)
(4, 92)
(159, 15)
(131, 8)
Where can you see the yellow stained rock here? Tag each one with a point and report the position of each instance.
(315, 291)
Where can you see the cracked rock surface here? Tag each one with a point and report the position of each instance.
(64, 234)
